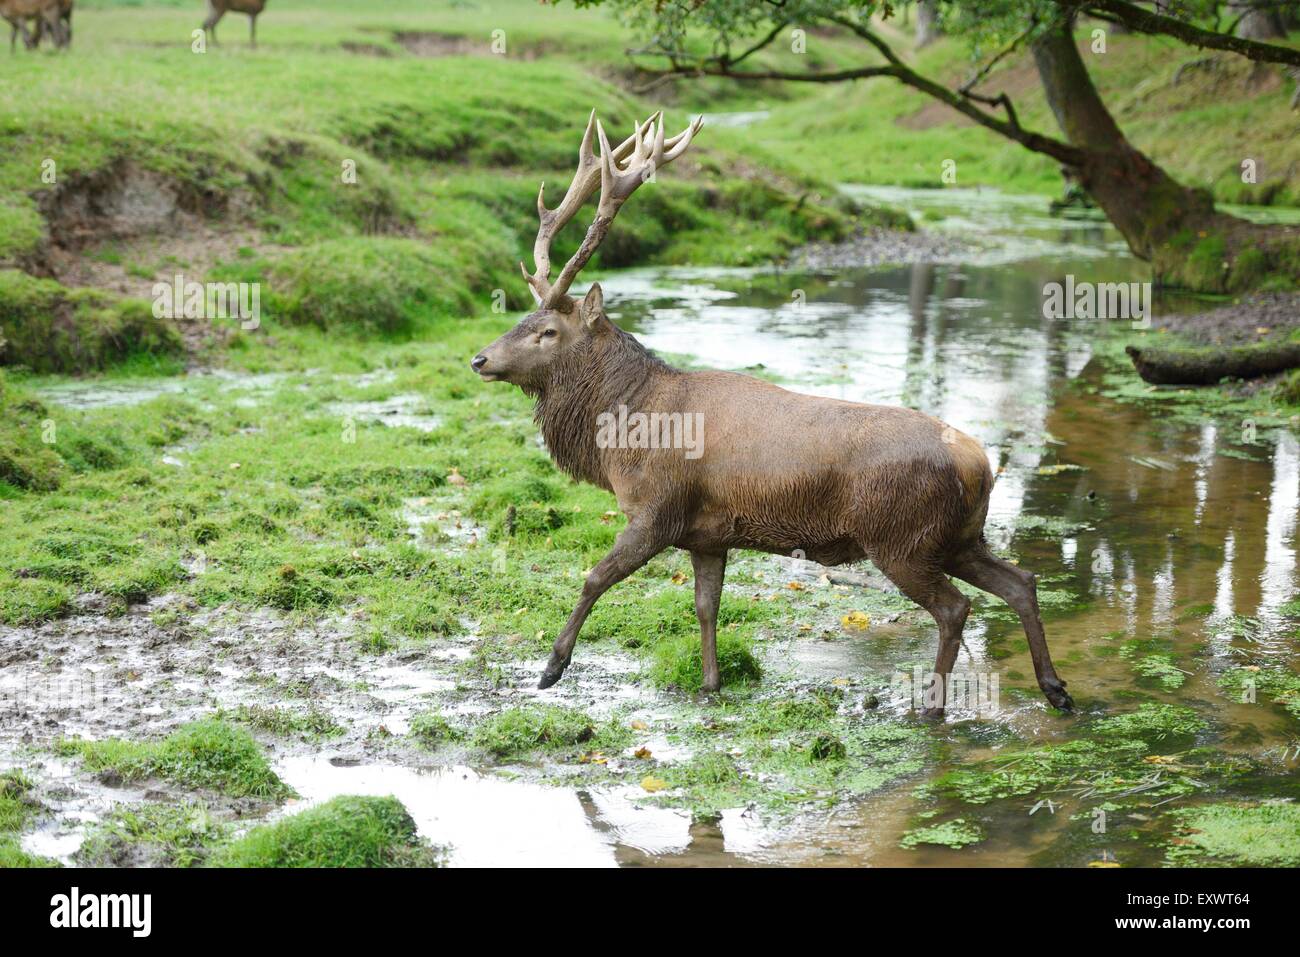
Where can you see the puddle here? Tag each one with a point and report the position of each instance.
(490, 821)
(398, 411)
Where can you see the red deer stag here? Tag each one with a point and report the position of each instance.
(219, 8)
(778, 472)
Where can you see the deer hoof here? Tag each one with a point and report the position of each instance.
(553, 673)
(1058, 697)
(931, 714)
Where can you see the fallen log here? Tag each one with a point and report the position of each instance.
(1208, 365)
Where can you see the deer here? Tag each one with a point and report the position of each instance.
(777, 472)
(219, 8)
(62, 38)
(17, 12)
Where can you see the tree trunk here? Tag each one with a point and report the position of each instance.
(927, 23)
(1262, 23)
(1175, 228)
(1208, 366)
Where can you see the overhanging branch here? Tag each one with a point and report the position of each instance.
(1145, 21)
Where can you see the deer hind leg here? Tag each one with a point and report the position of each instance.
(635, 545)
(926, 585)
(1017, 587)
(709, 572)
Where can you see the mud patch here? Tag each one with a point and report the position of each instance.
(123, 200)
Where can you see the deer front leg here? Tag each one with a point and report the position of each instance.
(210, 24)
(635, 545)
(709, 570)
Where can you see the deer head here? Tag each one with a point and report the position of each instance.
(561, 327)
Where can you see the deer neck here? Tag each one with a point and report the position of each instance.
(616, 371)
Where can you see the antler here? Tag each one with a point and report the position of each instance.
(618, 172)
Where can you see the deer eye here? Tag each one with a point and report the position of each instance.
(548, 333)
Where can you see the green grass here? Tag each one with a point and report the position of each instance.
(347, 831)
(159, 835)
(521, 731)
(312, 724)
(209, 754)
(17, 808)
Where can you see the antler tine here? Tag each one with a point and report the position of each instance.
(585, 181)
(618, 171)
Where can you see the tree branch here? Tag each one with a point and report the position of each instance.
(1062, 152)
(1145, 21)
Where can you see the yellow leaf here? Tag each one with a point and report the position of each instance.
(1104, 864)
(856, 621)
(642, 752)
(795, 586)
(679, 578)
(840, 682)
(653, 784)
(638, 725)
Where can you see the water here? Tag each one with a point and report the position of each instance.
(1168, 530)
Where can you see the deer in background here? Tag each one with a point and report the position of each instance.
(778, 472)
(219, 8)
(46, 13)
(64, 37)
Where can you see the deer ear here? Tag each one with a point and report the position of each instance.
(593, 305)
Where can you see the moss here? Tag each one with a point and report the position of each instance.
(956, 833)
(1237, 835)
(310, 724)
(677, 662)
(347, 831)
(1281, 685)
(203, 754)
(431, 730)
(1161, 669)
(1151, 721)
(520, 731)
(1203, 269)
(50, 328)
(155, 835)
(1249, 270)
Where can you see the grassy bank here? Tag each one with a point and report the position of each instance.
(359, 165)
